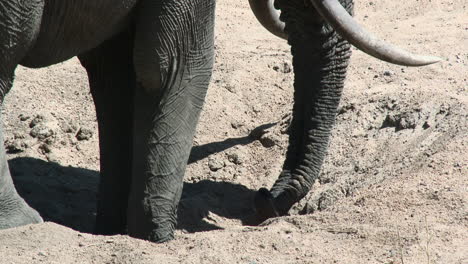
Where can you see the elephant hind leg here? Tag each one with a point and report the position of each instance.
(112, 80)
(18, 30)
(14, 211)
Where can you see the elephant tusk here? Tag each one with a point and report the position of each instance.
(268, 16)
(335, 14)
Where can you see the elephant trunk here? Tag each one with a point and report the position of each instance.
(320, 60)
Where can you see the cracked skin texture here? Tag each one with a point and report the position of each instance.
(320, 60)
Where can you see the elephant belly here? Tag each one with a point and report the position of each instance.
(71, 27)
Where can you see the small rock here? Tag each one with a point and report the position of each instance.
(388, 73)
(236, 124)
(41, 131)
(84, 134)
(215, 164)
(235, 157)
(284, 68)
(36, 120)
(268, 140)
(14, 147)
(23, 117)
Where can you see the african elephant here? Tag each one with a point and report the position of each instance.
(149, 64)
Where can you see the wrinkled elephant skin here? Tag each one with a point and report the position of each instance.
(149, 64)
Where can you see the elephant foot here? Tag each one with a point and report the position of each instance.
(17, 213)
(158, 231)
(161, 237)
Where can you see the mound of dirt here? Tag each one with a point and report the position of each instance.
(393, 188)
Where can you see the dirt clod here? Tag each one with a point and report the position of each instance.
(41, 131)
(15, 147)
(285, 67)
(23, 117)
(84, 134)
(236, 157)
(268, 140)
(215, 164)
(36, 120)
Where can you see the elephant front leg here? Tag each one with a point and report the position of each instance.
(173, 60)
(320, 59)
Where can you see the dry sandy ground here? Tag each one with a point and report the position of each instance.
(393, 189)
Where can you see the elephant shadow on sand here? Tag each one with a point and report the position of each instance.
(67, 195)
